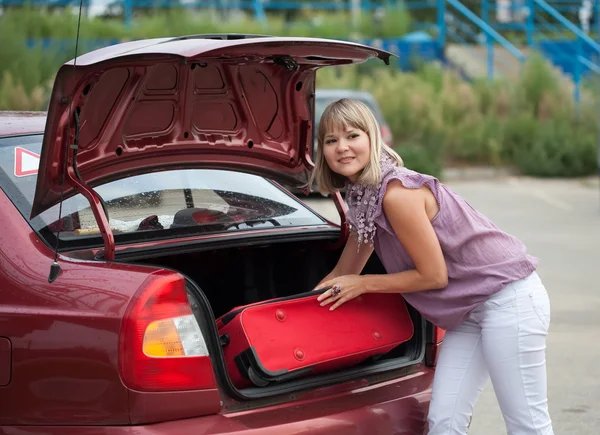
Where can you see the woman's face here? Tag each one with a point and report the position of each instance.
(346, 150)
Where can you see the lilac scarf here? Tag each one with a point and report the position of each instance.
(363, 202)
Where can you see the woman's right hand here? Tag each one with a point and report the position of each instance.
(329, 276)
(351, 262)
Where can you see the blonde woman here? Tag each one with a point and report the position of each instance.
(449, 262)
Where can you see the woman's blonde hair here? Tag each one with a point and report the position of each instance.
(350, 113)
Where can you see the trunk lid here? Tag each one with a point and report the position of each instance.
(229, 102)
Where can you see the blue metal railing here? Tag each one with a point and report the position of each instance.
(492, 37)
(562, 54)
(459, 30)
(560, 40)
(570, 9)
(568, 25)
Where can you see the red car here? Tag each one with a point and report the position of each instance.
(146, 203)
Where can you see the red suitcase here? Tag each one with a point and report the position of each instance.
(285, 338)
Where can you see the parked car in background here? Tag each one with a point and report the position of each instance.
(323, 97)
(109, 298)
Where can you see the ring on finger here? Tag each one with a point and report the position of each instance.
(335, 290)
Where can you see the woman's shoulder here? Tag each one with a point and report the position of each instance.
(408, 178)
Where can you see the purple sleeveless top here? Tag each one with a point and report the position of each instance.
(481, 259)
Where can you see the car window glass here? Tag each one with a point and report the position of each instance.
(199, 199)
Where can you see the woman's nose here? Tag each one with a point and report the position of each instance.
(342, 145)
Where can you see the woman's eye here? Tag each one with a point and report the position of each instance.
(353, 136)
(328, 141)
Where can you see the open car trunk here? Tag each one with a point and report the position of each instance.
(221, 279)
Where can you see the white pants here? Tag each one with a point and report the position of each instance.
(504, 339)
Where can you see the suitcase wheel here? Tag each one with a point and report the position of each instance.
(255, 379)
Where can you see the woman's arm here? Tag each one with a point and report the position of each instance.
(352, 261)
(409, 212)
(406, 211)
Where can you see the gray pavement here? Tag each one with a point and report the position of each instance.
(559, 220)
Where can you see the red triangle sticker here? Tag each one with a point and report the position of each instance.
(26, 162)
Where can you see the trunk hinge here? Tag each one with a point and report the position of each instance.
(340, 206)
(97, 204)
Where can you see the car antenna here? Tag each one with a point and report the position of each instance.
(55, 269)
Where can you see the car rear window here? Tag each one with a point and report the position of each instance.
(176, 202)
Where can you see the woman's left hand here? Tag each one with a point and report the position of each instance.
(343, 289)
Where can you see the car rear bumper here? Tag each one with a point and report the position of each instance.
(394, 407)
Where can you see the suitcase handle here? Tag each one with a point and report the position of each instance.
(225, 319)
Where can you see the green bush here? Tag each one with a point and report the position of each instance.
(25, 73)
(394, 22)
(438, 119)
(40, 23)
(560, 149)
(479, 141)
(425, 157)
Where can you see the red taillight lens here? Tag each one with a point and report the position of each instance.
(438, 335)
(161, 345)
(433, 347)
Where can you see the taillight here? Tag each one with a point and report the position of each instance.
(438, 335)
(433, 346)
(161, 344)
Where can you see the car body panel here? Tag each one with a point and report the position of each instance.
(64, 338)
(394, 407)
(186, 103)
